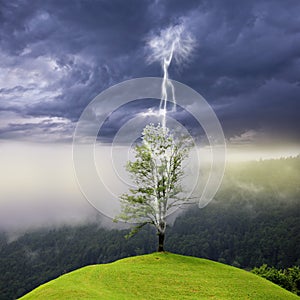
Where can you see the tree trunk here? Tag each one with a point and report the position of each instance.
(161, 240)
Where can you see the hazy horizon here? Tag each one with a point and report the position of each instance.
(39, 187)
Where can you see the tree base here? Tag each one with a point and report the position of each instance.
(161, 239)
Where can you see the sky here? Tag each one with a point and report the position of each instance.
(56, 56)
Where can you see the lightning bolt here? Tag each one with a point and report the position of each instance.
(174, 42)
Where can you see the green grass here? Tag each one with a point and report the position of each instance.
(160, 276)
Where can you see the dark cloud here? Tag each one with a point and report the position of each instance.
(143, 108)
(247, 60)
(56, 56)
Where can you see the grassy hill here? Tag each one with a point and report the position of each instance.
(160, 276)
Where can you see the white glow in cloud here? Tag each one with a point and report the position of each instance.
(174, 42)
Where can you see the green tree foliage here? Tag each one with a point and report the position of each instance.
(287, 278)
(157, 173)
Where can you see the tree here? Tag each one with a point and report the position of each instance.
(157, 172)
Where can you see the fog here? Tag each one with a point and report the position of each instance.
(39, 188)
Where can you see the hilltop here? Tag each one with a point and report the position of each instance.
(253, 220)
(160, 276)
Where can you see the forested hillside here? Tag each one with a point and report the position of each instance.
(253, 220)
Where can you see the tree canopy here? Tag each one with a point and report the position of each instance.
(157, 173)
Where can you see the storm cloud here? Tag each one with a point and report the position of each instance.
(57, 56)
